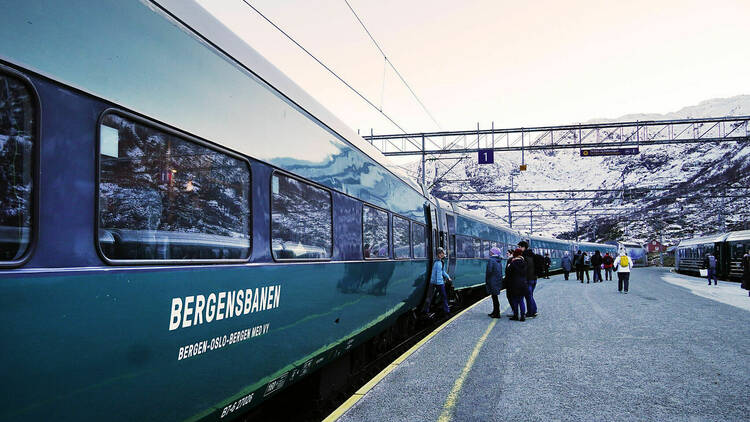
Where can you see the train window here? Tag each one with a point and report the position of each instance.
(419, 240)
(301, 222)
(401, 238)
(374, 233)
(738, 250)
(164, 198)
(477, 245)
(465, 247)
(17, 137)
(485, 249)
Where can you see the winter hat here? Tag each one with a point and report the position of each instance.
(495, 251)
(523, 244)
(441, 250)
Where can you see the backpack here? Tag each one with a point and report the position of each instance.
(624, 261)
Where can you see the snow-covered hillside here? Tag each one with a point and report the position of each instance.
(695, 173)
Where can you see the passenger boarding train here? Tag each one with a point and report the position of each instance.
(183, 231)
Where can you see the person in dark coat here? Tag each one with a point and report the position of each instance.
(608, 262)
(493, 278)
(746, 272)
(547, 265)
(531, 277)
(585, 265)
(596, 263)
(515, 282)
(567, 264)
(578, 263)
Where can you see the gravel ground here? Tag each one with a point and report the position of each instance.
(658, 353)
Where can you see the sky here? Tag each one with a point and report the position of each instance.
(514, 63)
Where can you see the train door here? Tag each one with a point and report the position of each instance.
(451, 251)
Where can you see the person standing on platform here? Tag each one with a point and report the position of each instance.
(746, 272)
(515, 283)
(566, 264)
(586, 265)
(493, 278)
(596, 262)
(531, 276)
(608, 262)
(710, 263)
(437, 283)
(547, 264)
(578, 263)
(623, 265)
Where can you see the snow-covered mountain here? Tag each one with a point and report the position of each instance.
(695, 174)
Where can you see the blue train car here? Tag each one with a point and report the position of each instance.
(636, 252)
(555, 248)
(183, 231)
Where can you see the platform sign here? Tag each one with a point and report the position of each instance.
(604, 152)
(486, 156)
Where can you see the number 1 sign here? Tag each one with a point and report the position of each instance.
(486, 156)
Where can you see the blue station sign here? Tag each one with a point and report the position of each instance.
(486, 156)
(603, 152)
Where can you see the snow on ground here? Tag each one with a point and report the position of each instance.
(725, 292)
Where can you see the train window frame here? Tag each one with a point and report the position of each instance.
(153, 124)
(388, 235)
(393, 237)
(35, 166)
(270, 219)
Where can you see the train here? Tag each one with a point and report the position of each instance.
(637, 253)
(184, 232)
(728, 248)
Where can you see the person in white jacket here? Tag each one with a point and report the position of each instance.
(623, 265)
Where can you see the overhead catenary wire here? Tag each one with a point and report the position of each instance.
(390, 63)
(348, 85)
(340, 79)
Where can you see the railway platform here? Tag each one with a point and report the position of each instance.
(665, 351)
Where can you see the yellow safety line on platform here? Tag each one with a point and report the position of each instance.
(373, 382)
(450, 402)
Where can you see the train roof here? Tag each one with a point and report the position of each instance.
(738, 235)
(203, 22)
(719, 237)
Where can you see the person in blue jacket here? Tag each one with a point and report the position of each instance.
(437, 283)
(567, 266)
(493, 280)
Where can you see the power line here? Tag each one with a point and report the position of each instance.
(325, 67)
(414, 94)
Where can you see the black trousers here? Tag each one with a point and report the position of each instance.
(495, 305)
(567, 273)
(623, 278)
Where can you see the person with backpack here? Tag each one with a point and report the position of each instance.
(437, 283)
(515, 283)
(596, 262)
(623, 265)
(586, 265)
(608, 262)
(493, 278)
(534, 265)
(578, 263)
(710, 263)
(566, 264)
